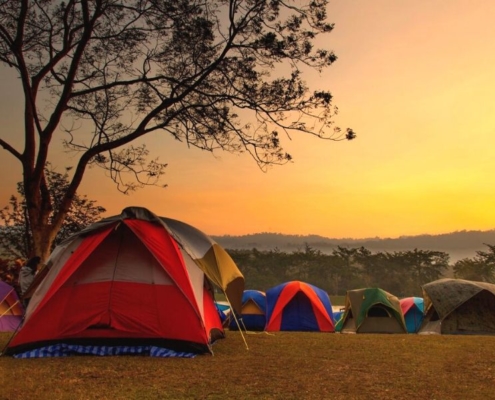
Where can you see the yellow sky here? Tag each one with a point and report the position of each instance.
(414, 79)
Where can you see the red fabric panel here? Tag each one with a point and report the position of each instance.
(129, 309)
(406, 304)
(26, 335)
(212, 319)
(80, 254)
(165, 249)
(156, 310)
(322, 317)
(287, 293)
(68, 312)
(275, 321)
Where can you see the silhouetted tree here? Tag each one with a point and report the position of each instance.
(101, 74)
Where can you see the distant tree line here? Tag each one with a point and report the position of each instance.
(401, 273)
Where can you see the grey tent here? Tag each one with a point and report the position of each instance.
(457, 306)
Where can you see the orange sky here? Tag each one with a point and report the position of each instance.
(415, 80)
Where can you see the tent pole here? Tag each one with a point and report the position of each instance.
(8, 309)
(236, 320)
(242, 322)
(7, 295)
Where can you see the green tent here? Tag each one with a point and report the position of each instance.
(371, 310)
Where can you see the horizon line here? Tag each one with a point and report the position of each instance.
(363, 238)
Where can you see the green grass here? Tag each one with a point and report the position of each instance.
(285, 365)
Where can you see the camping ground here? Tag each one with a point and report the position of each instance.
(282, 365)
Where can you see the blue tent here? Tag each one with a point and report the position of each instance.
(412, 309)
(253, 312)
(298, 306)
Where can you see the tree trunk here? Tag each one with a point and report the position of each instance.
(42, 242)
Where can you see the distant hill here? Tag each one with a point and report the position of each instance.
(458, 245)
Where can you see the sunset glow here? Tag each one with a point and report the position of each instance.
(414, 80)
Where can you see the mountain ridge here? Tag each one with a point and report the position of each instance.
(458, 244)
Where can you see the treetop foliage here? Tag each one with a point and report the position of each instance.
(100, 75)
(186, 67)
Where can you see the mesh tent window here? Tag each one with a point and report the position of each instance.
(378, 311)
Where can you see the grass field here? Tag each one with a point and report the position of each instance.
(285, 365)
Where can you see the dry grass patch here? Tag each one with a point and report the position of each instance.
(277, 366)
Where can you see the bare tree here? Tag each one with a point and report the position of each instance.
(99, 74)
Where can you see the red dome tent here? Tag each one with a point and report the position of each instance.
(131, 280)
